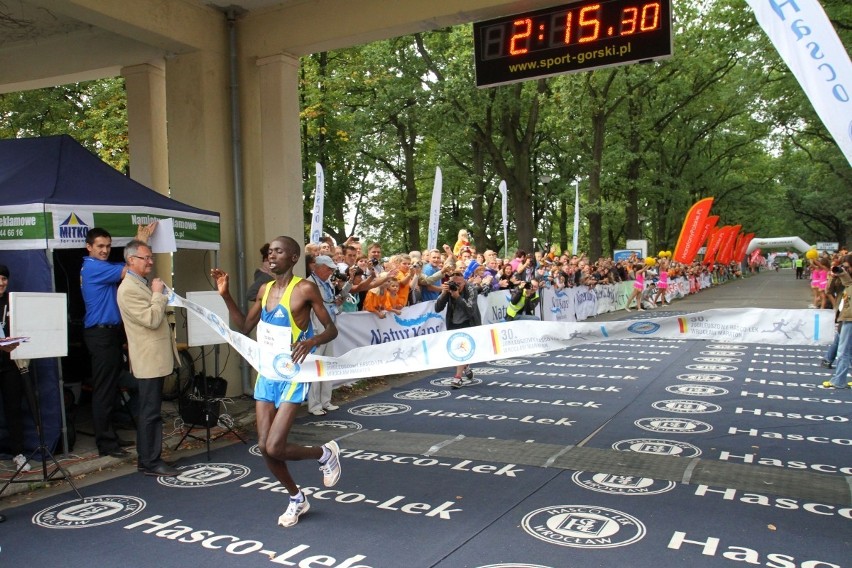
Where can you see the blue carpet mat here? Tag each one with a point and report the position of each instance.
(392, 513)
(559, 397)
(742, 404)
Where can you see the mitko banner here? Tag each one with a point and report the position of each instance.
(514, 339)
(693, 230)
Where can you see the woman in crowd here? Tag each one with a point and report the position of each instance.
(638, 286)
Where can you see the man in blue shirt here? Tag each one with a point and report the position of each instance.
(102, 333)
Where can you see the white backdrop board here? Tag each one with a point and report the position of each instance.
(198, 332)
(43, 317)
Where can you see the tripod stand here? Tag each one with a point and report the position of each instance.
(203, 412)
(30, 384)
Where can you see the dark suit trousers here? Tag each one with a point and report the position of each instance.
(149, 428)
(104, 346)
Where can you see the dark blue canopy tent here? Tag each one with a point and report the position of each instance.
(52, 191)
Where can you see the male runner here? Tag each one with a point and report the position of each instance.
(284, 306)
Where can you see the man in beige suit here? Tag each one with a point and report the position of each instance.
(153, 353)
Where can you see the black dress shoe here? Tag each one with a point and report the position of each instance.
(160, 470)
(126, 443)
(115, 453)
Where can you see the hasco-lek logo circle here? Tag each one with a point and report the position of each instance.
(621, 484)
(448, 381)
(724, 346)
(644, 327)
(342, 424)
(461, 346)
(583, 526)
(657, 447)
(205, 475)
(696, 390)
(379, 409)
(673, 425)
(723, 353)
(717, 360)
(705, 378)
(708, 367)
(686, 406)
(90, 512)
(513, 565)
(509, 362)
(422, 394)
(284, 366)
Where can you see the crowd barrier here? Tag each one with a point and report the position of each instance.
(417, 339)
(358, 329)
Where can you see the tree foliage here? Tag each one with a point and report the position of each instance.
(723, 117)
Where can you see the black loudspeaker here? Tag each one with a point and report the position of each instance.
(200, 412)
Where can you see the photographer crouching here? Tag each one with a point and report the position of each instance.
(524, 301)
(459, 298)
(843, 317)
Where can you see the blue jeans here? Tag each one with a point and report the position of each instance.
(831, 352)
(844, 354)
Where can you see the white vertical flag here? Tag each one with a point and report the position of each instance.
(576, 217)
(435, 211)
(319, 203)
(808, 44)
(505, 209)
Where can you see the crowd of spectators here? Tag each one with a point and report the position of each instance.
(366, 279)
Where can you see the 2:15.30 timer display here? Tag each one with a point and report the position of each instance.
(617, 31)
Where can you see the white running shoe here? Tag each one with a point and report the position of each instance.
(331, 468)
(331, 407)
(294, 510)
(21, 463)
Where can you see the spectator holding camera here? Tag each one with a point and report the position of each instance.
(524, 301)
(459, 299)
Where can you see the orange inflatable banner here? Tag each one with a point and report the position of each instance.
(726, 248)
(704, 240)
(717, 238)
(689, 240)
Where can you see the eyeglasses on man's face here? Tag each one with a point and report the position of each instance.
(148, 258)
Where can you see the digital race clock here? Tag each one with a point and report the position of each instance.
(572, 37)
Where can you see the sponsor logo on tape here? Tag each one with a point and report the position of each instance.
(723, 353)
(725, 346)
(710, 368)
(686, 406)
(583, 526)
(205, 475)
(644, 328)
(379, 409)
(90, 512)
(673, 425)
(422, 394)
(658, 447)
(621, 484)
(284, 366)
(461, 346)
(705, 378)
(696, 390)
